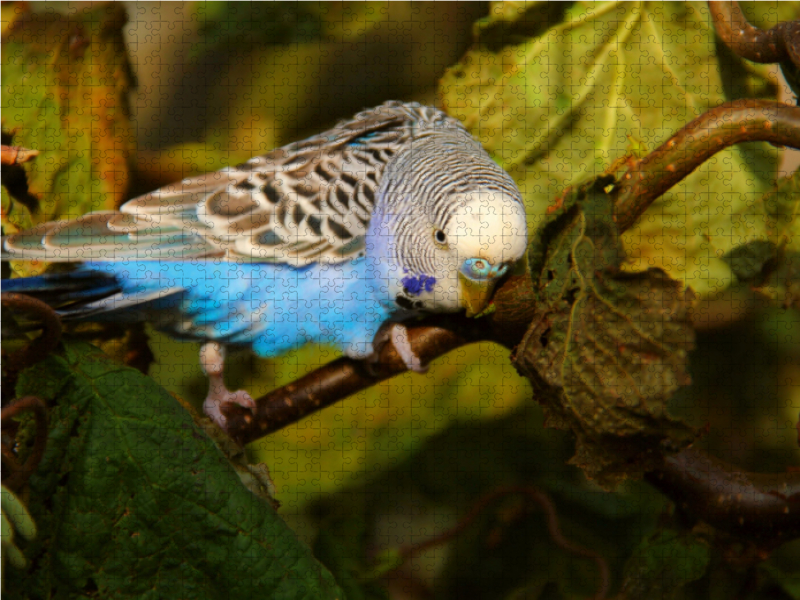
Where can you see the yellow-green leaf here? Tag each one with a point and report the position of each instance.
(65, 80)
(557, 101)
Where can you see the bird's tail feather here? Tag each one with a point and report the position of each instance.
(67, 293)
(62, 290)
(91, 295)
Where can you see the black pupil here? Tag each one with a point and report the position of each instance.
(440, 236)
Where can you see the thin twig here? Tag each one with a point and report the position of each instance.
(342, 378)
(16, 155)
(430, 338)
(20, 473)
(551, 516)
(39, 348)
(745, 120)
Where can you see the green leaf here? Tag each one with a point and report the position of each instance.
(782, 204)
(773, 265)
(65, 83)
(558, 93)
(607, 349)
(18, 516)
(787, 578)
(132, 500)
(765, 15)
(342, 546)
(14, 518)
(227, 26)
(749, 261)
(663, 564)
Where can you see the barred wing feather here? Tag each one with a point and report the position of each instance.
(108, 236)
(307, 202)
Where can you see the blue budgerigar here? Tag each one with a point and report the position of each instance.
(395, 213)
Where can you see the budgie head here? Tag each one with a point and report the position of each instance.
(448, 224)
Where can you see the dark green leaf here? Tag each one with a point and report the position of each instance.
(132, 500)
(232, 26)
(663, 564)
(773, 265)
(749, 261)
(788, 579)
(508, 547)
(343, 547)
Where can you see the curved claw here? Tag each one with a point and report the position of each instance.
(397, 334)
(219, 396)
(399, 338)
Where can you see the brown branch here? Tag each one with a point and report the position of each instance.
(741, 503)
(715, 130)
(779, 44)
(762, 506)
(766, 506)
(430, 339)
(42, 345)
(342, 378)
(551, 516)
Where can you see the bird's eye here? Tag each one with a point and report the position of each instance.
(439, 236)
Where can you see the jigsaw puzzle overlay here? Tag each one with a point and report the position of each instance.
(306, 200)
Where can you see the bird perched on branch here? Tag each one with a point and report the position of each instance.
(395, 213)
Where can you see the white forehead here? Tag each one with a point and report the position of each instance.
(489, 225)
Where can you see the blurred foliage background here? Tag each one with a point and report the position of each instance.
(556, 92)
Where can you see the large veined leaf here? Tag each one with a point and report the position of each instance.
(132, 500)
(606, 349)
(559, 92)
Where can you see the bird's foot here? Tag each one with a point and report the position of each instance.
(212, 359)
(219, 396)
(397, 334)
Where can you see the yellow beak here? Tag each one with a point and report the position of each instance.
(476, 294)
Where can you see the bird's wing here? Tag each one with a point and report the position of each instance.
(307, 202)
(304, 203)
(109, 236)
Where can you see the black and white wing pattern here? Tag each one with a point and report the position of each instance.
(307, 202)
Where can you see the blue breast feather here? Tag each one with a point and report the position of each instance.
(270, 308)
